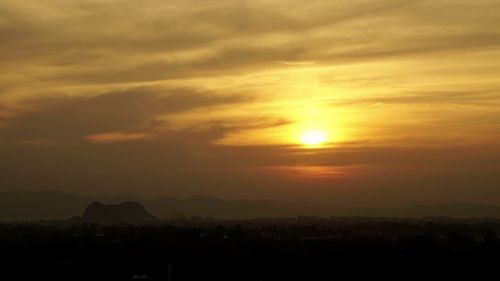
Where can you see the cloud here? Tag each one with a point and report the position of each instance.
(137, 109)
(117, 137)
(93, 43)
(464, 97)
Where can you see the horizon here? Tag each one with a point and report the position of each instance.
(365, 103)
(42, 207)
(139, 198)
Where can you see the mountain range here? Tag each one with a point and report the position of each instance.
(57, 205)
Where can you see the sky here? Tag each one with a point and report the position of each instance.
(351, 103)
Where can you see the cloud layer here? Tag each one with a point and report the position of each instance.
(185, 97)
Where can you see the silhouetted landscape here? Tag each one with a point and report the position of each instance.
(123, 241)
(57, 205)
(249, 140)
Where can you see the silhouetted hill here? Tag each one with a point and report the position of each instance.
(56, 205)
(127, 212)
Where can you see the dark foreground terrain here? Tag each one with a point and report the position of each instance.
(257, 249)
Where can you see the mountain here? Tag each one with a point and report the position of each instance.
(126, 212)
(56, 205)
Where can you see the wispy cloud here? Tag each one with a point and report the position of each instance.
(115, 137)
(132, 109)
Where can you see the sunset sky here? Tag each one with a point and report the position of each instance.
(351, 103)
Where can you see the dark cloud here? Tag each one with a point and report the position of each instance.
(447, 158)
(133, 109)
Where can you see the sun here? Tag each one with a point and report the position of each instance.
(313, 137)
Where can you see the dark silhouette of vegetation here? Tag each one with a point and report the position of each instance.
(303, 248)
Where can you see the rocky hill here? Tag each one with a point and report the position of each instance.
(127, 212)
